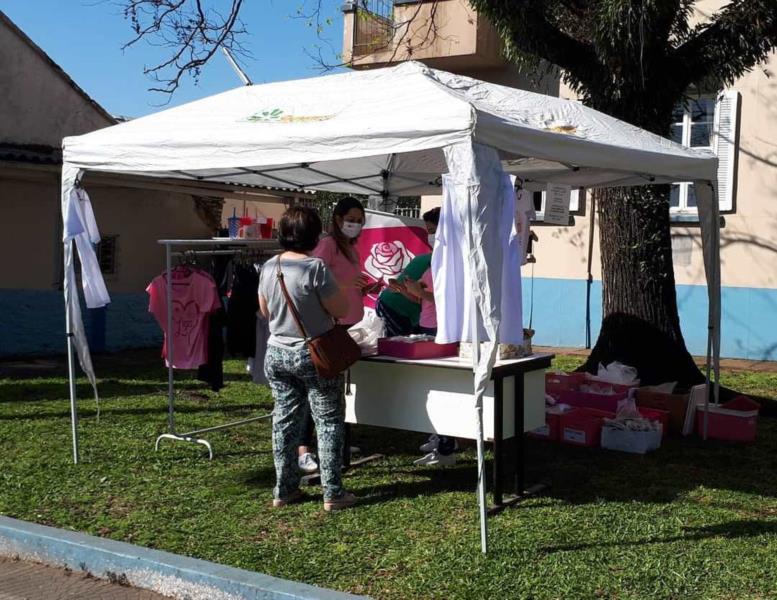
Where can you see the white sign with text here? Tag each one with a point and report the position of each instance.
(557, 199)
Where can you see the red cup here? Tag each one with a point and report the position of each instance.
(265, 229)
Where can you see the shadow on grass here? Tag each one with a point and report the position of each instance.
(582, 475)
(246, 410)
(729, 530)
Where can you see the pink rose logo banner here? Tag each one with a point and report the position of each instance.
(386, 245)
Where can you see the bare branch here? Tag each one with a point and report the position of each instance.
(193, 30)
(737, 38)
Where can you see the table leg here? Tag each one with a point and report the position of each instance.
(498, 437)
(519, 436)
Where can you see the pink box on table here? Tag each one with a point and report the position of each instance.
(734, 421)
(415, 350)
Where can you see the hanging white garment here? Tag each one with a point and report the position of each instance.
(524, 214)
(451, 270)
(79, 225)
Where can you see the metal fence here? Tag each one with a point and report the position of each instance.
(373, 27)
(412, 212)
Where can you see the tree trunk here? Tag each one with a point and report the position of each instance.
(641, 326)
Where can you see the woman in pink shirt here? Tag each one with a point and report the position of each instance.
(339, 253)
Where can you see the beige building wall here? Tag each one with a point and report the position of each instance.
(749, 236)
(35, 88)
(31, 248)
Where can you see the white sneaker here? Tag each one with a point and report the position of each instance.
(436, 459)
(430, 445)
(307, 463)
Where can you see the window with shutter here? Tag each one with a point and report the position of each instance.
(726, 145)
(707, 123)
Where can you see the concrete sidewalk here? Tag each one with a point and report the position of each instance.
(21, 580)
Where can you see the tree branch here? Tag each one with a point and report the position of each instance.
(527, 26)
(737, 38)
(193, 30)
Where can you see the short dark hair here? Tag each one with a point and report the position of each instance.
(432, 216)
(299, 229)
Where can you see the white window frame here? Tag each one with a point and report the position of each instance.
(682, 209)
(725, 118)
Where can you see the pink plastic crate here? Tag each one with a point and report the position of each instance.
(734, 421)
(607, 402)
(582, 426)
(549, 431)
(555, 383)
(415, 350)
(655, 414)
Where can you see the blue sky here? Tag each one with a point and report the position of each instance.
(85, 37)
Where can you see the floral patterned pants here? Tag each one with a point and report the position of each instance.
(298, 392)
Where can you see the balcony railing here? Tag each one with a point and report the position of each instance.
(373, 26)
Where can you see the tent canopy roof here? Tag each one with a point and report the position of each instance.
(382, 130)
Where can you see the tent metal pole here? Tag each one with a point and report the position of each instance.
(590, 278)
(481, 482)
(170, 336)
(71, 366)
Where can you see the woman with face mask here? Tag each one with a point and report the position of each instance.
(340, 254)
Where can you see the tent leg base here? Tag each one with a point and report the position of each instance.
(315, 478)
(511, 501)
(184, 438)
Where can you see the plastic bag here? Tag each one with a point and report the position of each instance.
(627, 408)
(367, 332)
(618, 373)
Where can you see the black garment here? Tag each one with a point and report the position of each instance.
(395, 323)
(241, 311)
(212, 372)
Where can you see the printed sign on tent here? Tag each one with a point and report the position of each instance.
(386, 245)
(557, 199)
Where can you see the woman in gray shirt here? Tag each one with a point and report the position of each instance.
(297, 388)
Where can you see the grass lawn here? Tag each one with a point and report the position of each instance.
(692, 520)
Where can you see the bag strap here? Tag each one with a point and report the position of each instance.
(289, 302)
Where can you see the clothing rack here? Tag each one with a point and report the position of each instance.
(215, 248)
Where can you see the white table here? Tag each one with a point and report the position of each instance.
(436, 396)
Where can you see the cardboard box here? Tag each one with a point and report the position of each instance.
(675, 404)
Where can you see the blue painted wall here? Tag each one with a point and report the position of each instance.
(33, 322)
(749, 318)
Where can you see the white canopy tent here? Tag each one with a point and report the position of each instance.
(384, 132)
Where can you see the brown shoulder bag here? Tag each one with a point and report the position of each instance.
(332, 352)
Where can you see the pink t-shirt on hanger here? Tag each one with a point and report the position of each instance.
(195, 297)
(346, 272)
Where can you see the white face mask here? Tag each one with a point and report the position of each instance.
(430, 239)
(351, 230)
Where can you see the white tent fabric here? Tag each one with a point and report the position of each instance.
(388, 132)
